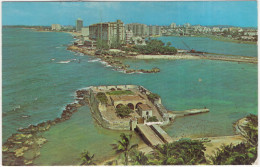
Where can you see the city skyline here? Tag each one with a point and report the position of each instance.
(233, 13)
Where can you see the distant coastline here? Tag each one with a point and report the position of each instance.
(219, 38)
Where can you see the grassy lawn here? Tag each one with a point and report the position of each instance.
(120, 92)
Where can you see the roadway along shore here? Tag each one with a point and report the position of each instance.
(243, 59)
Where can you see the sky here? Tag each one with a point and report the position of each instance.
(235, 13)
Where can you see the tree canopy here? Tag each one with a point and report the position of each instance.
(244, 153)
(102, 97)
(123, 111)
(181, 152)
(87, 158)
(153, 46)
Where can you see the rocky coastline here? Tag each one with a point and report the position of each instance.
(22, 148)
(113, 61)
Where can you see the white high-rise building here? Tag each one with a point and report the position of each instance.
(79, 24)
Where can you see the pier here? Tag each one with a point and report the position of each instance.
(187, 112)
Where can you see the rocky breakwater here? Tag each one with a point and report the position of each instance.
(239, 126)
(113, 59)
(23, 147)
(75, 48)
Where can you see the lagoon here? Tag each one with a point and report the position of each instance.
(204, 44)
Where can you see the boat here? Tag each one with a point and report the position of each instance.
(62, 62)
(26, 116)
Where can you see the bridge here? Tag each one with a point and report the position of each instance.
(153, 135)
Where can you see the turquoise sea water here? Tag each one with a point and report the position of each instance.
(212, 46)
(35, 85)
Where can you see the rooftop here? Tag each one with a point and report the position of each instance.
(144, 107)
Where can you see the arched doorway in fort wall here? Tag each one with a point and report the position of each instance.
(131, 106)
(119, 105)
(138, 104)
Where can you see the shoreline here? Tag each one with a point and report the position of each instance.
(219, 38)
(26, 139)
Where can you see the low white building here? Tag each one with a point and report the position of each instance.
(138, 40)
(144, 111)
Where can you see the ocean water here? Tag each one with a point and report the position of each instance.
(204, 44)
(37, 86)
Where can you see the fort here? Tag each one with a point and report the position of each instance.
(147, 112)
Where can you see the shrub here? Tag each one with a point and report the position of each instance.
(102, 97)
(153, 96)
(124, 111)
(120, 92)
(152, 119)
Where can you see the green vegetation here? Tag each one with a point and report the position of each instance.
(102, 97)
(123, 111)
(120, 92)
(138, 158)
(115, 44)
(243, 153)
(124, 146)
(182, 152)
(101, 44)
(87, 158)
(153, 96)
(153, 47)
(152, 119)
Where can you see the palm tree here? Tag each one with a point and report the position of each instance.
(87, 158)
(182, 152)
(163, 156)
(124, 146)
(251, 129)
(138, 158)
